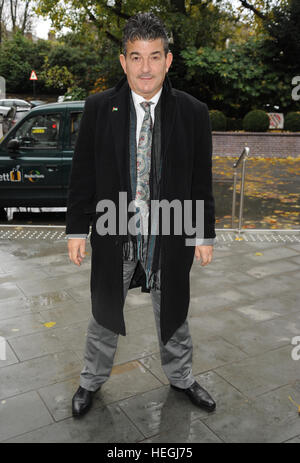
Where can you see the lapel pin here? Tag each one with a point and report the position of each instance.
(115, 108)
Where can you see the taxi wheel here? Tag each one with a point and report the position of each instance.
(3, 215)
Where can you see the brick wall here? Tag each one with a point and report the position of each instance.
(260, 144)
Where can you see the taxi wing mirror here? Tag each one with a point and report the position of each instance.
(13, 144)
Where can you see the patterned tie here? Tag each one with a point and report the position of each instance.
(142, 199)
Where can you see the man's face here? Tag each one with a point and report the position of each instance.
(146, 66)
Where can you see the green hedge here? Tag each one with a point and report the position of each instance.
(218, 120)
(256, 121)
(234, 124)
(292, 122)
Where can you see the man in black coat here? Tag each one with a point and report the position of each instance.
(152, 144)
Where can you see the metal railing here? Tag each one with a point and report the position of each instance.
(242, 160)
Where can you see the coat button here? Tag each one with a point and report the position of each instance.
(116, 242)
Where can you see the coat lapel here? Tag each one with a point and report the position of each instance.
(168, 115)
(119, 117)
(169, 104)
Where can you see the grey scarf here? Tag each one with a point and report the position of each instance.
(133, 244)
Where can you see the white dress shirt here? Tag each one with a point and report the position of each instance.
(140, 113)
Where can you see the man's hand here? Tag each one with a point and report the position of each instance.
(76, 248)
(205, 253)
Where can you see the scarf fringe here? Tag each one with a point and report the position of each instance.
(154, 279)
(133, 250)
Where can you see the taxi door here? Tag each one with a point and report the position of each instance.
(73, 118)
(31, 174)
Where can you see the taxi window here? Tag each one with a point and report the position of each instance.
(75, 118)
(40, 131)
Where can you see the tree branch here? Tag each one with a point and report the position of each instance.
(13, 9)
(1, 13)
(117, 12)
(110, 36)
(25, 17)
(113, 38)
(253, 9)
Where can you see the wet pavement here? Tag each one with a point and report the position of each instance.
(244, 313)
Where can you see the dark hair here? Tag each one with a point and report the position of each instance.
(145, 26)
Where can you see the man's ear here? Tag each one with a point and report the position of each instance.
(123, 62)
(169, 60)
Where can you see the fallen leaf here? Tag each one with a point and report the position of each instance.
(49, 324)
(294, 403)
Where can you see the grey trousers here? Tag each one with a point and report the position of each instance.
(101, 345)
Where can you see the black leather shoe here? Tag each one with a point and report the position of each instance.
(198, 396)
(82, 401)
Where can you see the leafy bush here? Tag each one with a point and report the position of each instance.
(256, 121)
(234, 124)
(75, 93)
(218, 120)
(292, 122)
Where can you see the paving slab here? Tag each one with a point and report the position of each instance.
(45, 283)
(63, 315)
(265, 336)
(195, 432)
(244, 424)
(9, 290)
(216, 322)
(270, 286)
(35, 373)
(273, 254)
(16, 306)
(101, 425)
(217, 278)
(136, 345)
(139, 318)
(10, 356)
(213, 353)
(257, 375)
(21, 414)
(281, 413)
(214, 300)
(266, 309)
(277, 267)
(295, 440)
(271, 418)
(126, 380)
(80, 293)
(74, 336)
(36, 345)
(294, 246)
(156, 412)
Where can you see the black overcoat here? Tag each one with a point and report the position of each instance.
(100, 170)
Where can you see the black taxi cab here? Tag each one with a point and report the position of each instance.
(36, 156)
